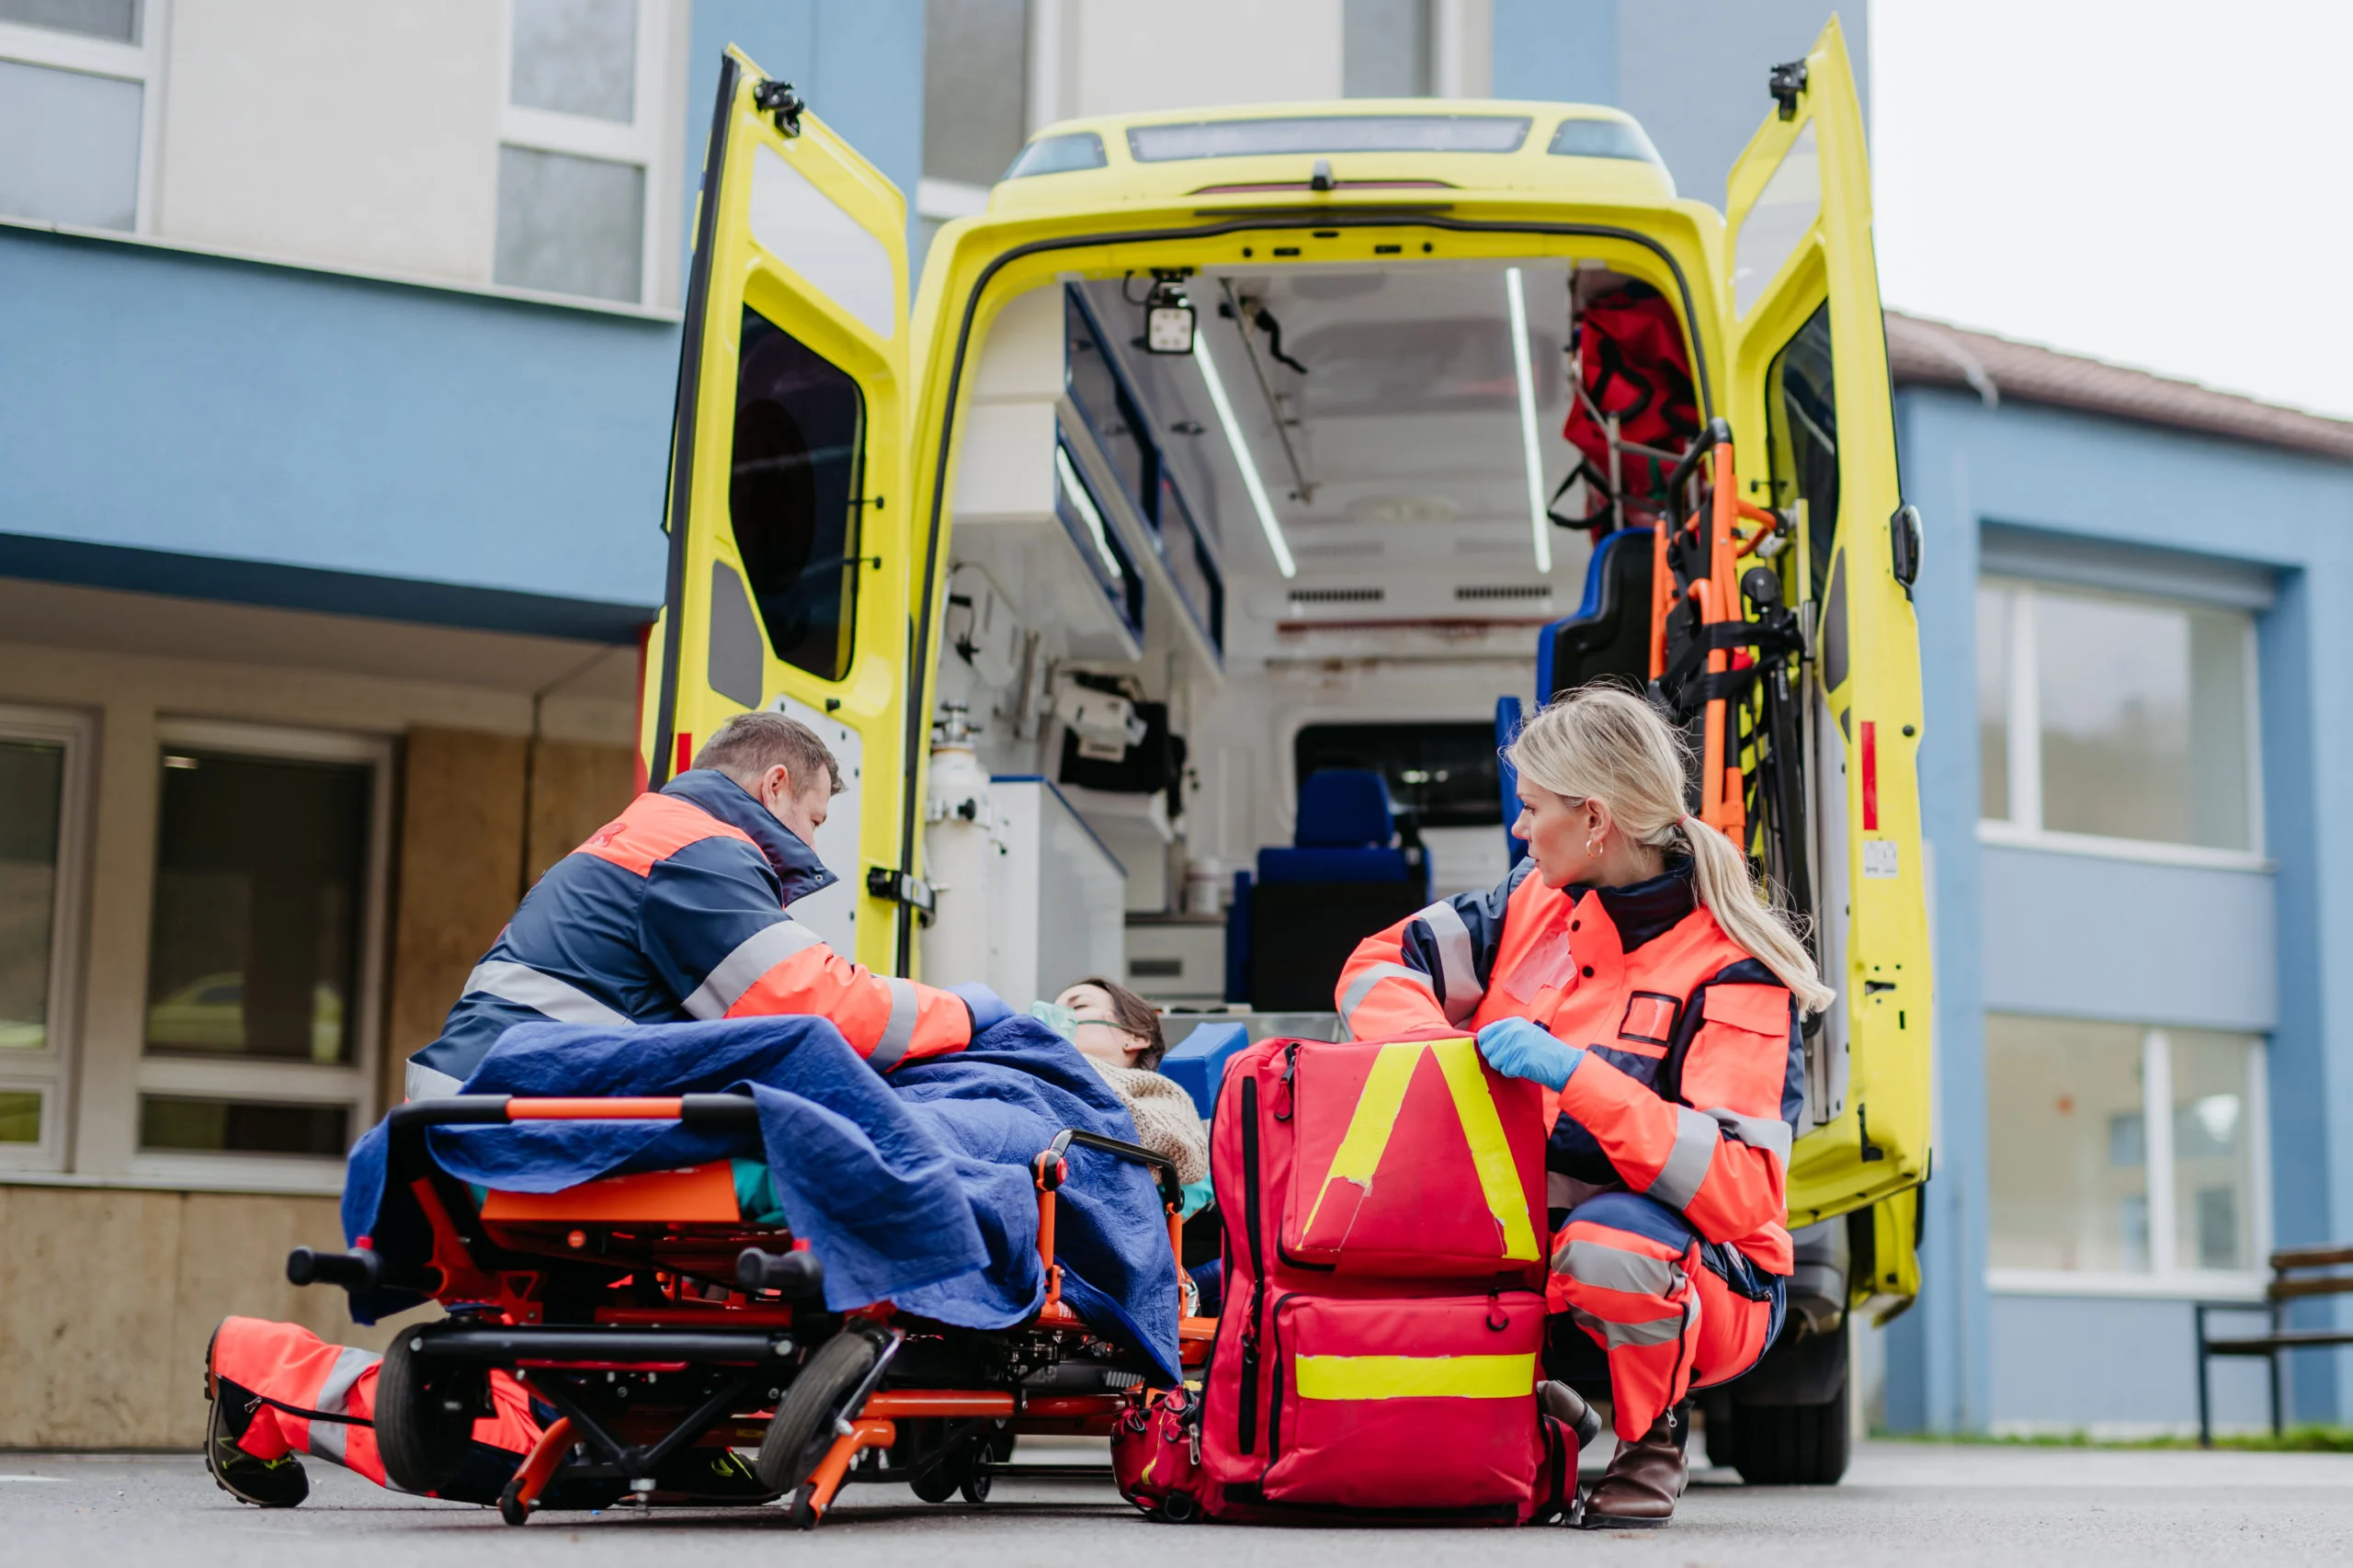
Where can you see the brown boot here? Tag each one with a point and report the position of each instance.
(1639, 1490)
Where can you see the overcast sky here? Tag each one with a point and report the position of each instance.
(2152, 182)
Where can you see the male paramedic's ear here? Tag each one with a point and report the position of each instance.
(1519, 1049)
(988, 1008)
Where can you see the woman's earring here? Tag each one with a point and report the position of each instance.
(1592, 848)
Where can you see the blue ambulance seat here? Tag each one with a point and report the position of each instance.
(1198, 1060)
(1609, 638)
(1507, 722)
(1343, 834)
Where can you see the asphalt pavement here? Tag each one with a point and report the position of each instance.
(1902, 1502)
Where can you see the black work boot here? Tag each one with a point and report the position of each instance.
(266, 1484)
(1639, 1490)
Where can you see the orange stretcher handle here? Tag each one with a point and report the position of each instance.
(596, 1109)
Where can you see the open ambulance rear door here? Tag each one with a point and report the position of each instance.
(1812, 405)
(787, 507)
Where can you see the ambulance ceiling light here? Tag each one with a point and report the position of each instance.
(1250, 480)
(1537, 518)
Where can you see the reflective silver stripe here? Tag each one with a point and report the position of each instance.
(327, 1436)
(741, 969)
(424, 1082)
(900, 1032)
(1364, 982)
(1769, 1133)
(1617, 1336)
(1696, 1137)
(1454, 959)
(542, 992)
(1611, 1268)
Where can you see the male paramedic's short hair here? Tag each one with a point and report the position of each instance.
(750, 744)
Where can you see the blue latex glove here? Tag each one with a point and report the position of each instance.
(1518, 1049)
(988, 1008)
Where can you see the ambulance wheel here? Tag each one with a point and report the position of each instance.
(1790, 1445)
(425, 1421)
(802, 1427)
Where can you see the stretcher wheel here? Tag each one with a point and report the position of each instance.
(975, 1484)
(802, 1427)
(424, 1415)
(510, 1502)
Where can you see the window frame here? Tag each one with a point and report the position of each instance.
(2022, 720)
(285, 1081)
(142, 62)
(49, 1071)
(2165, 1277)
(639, 143)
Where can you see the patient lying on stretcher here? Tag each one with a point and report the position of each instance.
(1118, 1033)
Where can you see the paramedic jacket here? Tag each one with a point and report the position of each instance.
(674, 911)
(1693, 1075)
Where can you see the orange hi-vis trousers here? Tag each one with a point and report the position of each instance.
(1669, 1313)
(285, 1389)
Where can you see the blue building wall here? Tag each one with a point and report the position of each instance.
(301, 437)
(2027, 929)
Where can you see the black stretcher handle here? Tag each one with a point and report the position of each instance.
(1163, 1169)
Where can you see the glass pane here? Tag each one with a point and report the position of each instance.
(69, 147)
(1097, 546)
(2213, 1150)
(2144, 720)
(19, 1116)
(1190, 566)
(2066, 1151)
(115, 19)
(1058, 154)
(799, 471)
(1802, 436)
(1995, 606)
(976, 80)
(1446, 774)
(1328, 133)
(32, 796)
(1777, 220)
(570, 226)
(260, 865)
(1095, 388)
(575, 57)
(1385, 49)
(243, 1127)
(1603, 139)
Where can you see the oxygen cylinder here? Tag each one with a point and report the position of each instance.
(959, 840)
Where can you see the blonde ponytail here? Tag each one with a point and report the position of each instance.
(1604, 743)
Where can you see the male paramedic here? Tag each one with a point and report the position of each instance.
(673, 911)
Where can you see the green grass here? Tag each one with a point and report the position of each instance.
(2306, 1440)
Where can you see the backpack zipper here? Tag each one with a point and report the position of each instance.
(1275, 1385)
(1247, 1418)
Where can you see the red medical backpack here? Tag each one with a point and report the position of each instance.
(1632, 363)
(1383, 1326)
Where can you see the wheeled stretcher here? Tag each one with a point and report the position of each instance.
(657, 1313)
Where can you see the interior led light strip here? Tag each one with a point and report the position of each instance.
(1250, 480)
(1086, 504)
(1537, 518)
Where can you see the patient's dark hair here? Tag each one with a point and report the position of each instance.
(1136, 1015)
(750, 744)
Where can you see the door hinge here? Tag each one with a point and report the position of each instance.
(780, 99)
(1785, 83)
(900, 888)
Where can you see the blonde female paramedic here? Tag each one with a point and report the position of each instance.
(1628, 963)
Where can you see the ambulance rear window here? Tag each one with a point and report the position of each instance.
(1602, 139)
(1059, 156)
(1328, 133)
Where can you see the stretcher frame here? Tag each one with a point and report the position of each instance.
(715, 1308)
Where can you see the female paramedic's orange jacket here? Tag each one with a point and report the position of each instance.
(1694, 1072)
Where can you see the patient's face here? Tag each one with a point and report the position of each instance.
(1100, 1034)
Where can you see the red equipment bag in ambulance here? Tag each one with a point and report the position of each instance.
(1378, 1352)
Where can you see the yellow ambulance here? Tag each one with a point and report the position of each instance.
(1225, 446)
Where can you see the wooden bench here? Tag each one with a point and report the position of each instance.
(2296, 1272)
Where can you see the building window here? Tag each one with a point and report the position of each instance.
(42, 755)
(2109, 717)
(263, 963)
(580, 143)
(975, 104)
(2122, 1151)
(1385, 49)
(77, 120)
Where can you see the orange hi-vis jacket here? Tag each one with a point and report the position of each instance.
(1693, 1077)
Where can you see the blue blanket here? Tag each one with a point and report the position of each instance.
(915, 1189)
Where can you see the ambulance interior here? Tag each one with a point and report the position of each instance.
(1245, 607)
